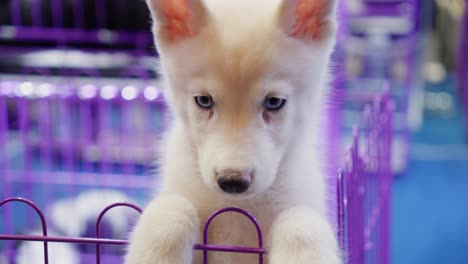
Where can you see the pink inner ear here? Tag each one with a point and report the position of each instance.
(178, 15)
(310, 18)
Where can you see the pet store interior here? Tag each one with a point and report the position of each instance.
(82, 112)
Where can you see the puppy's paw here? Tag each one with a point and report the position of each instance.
(301, 236)
(165, 233)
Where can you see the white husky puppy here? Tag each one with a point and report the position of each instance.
(246, 81)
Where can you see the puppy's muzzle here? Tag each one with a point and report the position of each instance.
(234, 181)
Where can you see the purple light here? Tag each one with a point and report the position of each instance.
(24, 89)
(87, 91)
(151, 93)
(108, 92)
(45, 89)
(7, 87)
(129, 93)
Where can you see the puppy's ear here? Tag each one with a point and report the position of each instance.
(308, 19)
(177, 19)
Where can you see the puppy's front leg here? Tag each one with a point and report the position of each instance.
(165, 233)
(301, 236)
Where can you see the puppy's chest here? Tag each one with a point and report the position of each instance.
(232, 229)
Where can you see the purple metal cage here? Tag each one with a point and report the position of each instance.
(363, 202)
(380, 42)
(364, 188)
(68, 128)
(81, 21)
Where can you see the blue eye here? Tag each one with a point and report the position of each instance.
(274, 103)
(204, 101)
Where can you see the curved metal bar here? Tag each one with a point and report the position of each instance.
(101, 241)
(103, 212)
(233, 249)
(71, 240)
(340, 204)
(41, 215)
(99, 220)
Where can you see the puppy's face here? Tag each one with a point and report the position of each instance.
(243, 90)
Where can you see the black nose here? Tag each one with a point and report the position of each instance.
(234, 186)
(234, 181)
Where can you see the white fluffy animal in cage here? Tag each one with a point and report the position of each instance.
(246, 82)
(33, 252)
(73, 215)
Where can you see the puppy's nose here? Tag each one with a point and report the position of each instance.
(234, 181)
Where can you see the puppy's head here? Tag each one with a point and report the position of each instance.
(244, 78)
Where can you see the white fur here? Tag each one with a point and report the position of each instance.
(238, 62)
(33, 252)
(70, 216)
